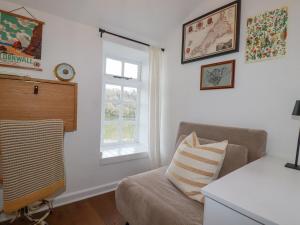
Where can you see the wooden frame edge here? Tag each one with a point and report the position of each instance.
(232, 84)
(21, 67)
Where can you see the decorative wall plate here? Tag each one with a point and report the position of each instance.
(64, 72)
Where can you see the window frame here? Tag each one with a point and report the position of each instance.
(110, 79)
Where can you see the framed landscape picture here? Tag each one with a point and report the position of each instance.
(20, 41)
(213, 34)
(218, 75)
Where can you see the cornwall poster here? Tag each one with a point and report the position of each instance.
(267, 35)
(20, 41)
(213, 34)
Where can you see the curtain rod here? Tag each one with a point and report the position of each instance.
(102, 31)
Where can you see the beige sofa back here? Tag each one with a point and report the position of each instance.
(254, 140)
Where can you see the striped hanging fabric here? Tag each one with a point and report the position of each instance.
(32, 161)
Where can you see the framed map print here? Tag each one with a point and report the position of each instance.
(213, 34)
(20, 41)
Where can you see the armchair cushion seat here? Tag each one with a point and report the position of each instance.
(150, 199)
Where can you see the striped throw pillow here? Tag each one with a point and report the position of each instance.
(194, 165)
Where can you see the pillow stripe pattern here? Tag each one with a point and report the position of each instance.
(198, 158)
(187, 181)
(194, 165)
(192, 169)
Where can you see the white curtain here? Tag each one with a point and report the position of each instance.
(155, 76)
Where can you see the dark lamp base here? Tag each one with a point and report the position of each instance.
(292, 166)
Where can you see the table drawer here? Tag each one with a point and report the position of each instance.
(218, 214)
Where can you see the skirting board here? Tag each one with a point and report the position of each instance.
(65, 199)
(68, 198)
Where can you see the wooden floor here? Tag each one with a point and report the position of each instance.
(100, 210)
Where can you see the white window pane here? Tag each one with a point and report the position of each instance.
(112, 92)
(131, 70)
(128, 132)
(129, 111)
(112, 111)
(113, 67)
(130, 94)
(111, 134)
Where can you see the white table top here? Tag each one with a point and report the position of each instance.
(264, 190)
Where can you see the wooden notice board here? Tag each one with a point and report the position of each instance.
(24, 98)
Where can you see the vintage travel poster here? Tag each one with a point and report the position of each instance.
(267, 35)
(20, 41)
(212, 34)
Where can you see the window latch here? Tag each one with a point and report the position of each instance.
(124, 78)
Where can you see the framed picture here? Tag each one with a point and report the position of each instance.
(213, 34)
(218, 75)
(20, 41)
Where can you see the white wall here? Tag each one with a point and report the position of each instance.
(79, 45)
(265, 92)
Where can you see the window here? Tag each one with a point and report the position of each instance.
(125, 104)
(120, 117)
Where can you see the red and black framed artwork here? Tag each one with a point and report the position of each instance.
(213, 34)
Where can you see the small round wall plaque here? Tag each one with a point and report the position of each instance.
(64, 72)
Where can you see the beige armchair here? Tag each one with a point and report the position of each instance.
(151, 199)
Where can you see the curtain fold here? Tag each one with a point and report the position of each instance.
(155, 76)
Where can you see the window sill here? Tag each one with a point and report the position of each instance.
(121, 154)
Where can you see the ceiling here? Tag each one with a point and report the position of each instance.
(150, 19)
